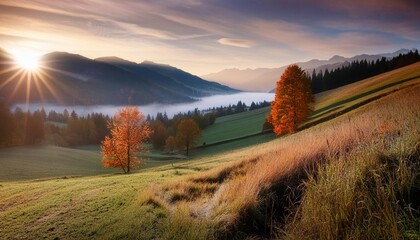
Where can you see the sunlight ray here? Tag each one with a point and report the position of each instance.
(10, 69)
(11, 78)
(47, 80)
(18, 84)
(37, 82)
(28, 88)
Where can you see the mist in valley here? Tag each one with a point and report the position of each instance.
(153, 109)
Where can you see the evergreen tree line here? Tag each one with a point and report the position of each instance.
(358, 70)
(62, 129)
(202, 120)
(238, 108)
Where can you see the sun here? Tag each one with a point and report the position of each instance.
(27, 60)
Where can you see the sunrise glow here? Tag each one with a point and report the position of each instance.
(26, 60)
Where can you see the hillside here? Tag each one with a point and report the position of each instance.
(228, 133)
(264, 79)
(247, 193)
(72, 79)
(327, 104)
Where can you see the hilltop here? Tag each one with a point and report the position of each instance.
(71, 79)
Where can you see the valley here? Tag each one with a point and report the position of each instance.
(209, 120)
(156, 200)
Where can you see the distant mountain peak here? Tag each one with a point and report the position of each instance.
(337, 58)
(108, 80)
(264, 79)
(63, 55)
(114, 59)
(147, 62)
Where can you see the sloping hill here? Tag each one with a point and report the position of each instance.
(228, 133)
(246, 193)
(73, 79)
(168, 77)
(328, 104)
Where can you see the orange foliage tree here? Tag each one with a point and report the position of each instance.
(129, 131)
(170, 143)
(292, 102)
(187, 134)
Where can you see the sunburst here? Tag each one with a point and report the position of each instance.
(26, 70)
(28, 61)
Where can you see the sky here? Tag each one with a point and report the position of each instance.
(206, 36)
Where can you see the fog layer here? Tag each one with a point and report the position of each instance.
(153, 109)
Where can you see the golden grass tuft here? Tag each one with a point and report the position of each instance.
(150, 197)
(252, 196)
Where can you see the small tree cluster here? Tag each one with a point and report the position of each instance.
(163, 127)
(182, 135)
(21, 128)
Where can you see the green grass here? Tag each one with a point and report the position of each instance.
(102, 207)
(234, 126)
(364, 196)
(233, 145)
(108, 206)
(48, 161)
(327, 103)
(22, 163)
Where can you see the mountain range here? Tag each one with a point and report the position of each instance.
(264, 79)
(72, 79)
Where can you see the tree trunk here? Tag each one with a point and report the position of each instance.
(187, 148)
(128, 150)
(128, 159)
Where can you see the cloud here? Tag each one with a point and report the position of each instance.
(193, 34)
(242, 43)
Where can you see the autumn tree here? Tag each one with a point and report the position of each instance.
(170, 144)
(129, 131)
(292, 102)
(187, 134)
(7, 125)
(159, 134)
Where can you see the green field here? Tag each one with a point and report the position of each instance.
(330, 102)
(107, 206)
(234, 126)
(327, 103)
(34, 162)
(79, 208)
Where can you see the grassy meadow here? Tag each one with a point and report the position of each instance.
(32, 162)
(258, 196)
(229, 133)
(356, 176)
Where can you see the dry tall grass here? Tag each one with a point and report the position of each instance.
(253, 196)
